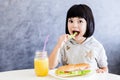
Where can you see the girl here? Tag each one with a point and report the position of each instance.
(83, 48)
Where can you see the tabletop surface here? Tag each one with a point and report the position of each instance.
(29, 74)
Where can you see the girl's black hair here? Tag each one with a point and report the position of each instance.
(82, 11)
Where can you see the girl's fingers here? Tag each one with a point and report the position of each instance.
(66, 37)
(100, 71)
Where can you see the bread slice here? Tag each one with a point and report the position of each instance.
(73, 67)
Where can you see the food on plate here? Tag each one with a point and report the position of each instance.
(73, 70)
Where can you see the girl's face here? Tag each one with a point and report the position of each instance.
(78, 25)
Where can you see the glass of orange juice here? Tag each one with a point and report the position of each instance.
(41, 63)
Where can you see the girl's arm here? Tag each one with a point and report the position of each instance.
(53, 59)
(102, 61)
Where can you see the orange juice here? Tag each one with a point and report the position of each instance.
(41, 65)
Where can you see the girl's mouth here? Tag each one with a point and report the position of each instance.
(77, 33)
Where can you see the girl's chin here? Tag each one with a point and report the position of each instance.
(78, 38)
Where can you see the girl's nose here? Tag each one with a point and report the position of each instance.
(75, 25)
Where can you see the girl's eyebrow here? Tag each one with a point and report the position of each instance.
(78, 18)
(69, 18)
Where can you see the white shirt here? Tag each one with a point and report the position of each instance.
(90, 51)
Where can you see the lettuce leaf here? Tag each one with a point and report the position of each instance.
(72, 73)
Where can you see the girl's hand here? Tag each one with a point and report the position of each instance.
(62, 38)
(102, 70)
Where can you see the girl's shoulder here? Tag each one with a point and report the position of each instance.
(93, 41)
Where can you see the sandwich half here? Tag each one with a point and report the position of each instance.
(73, 70)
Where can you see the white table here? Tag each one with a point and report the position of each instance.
(29, 74)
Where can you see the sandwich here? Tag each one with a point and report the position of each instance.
(73, 70)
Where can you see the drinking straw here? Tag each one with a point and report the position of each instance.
(46, 40)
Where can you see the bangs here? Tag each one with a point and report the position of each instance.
(76, 11)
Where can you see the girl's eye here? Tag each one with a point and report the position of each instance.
(70, 21)
(80, 21)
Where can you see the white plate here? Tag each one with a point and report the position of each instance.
(89, 76)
